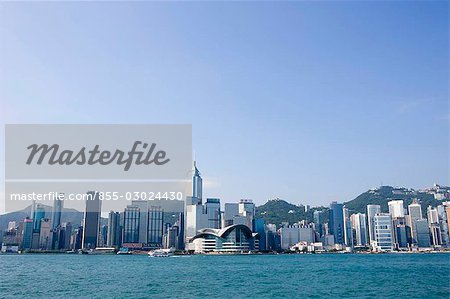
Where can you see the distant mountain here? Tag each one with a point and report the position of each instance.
(277, 211)
(69, 215)
(381, 196)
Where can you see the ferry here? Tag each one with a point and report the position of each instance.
(162, 252)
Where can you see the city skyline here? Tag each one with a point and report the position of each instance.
(266, 98)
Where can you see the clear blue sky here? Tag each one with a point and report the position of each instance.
(310, 102)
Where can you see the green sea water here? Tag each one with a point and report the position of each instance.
(246, 276)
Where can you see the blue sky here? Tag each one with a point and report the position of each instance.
(310, 102)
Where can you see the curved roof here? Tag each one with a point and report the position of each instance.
(222, 233)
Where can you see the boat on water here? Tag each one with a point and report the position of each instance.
(162, 252)
(124, 251)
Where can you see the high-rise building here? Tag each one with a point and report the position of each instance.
(383, 232)
(432, 215)
(45, 234)
(423, 233)
(39, 214)
(372, 210)
(396, 208)
(143, 206)
(91, 223)
(294, 234)
(27, 235)
(247, 210)
(131, 224)
(260, 228)
(197, 184)
(319, 220)
(401, 233)
(57, 210)
(213, 212)
(114, 230)
(155, 227)
(358, 222)
(231, 211)
(415, 213)
(336, 221)
(443, 225)
(348, 231)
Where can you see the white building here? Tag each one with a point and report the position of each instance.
(383, 233)
(358, 222)
(372, 210)
(396, 209)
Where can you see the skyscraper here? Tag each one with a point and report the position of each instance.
(415, 213)
(348, 231)
(39, 214)
(197, 182)
(396, 208)
(319, 219)
(213, 211)
(45, 235)
(56, 212)
(91, 223)
(27, 236)
(372, 210)
(155, 227)
(131, 224)
(423, 233)
(114, 230)
(383, 232)
(359, 225)
(336, 220)
(247, 210)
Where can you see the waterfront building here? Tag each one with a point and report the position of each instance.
(396, 208)
(415, 213)
(143, 206)
(114, 230)
(443, 225)
(294, 234)
(383, 232)
(155, 227)
(38, 215)
(436, 238)
(372, 210)
(77, 242)
(401, 233)
(423, 233)
(231, 239)
(432, 215)
(348, 231)
(319, 220)
(259, 227)
(336, 221)
(91, 222)
(57, 210)
(358, 222)
(45, 234)
(131, 224)
(27, 235)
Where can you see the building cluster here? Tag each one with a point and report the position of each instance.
(401, 229)
(204, 227)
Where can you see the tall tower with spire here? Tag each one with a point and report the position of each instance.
(197, 183)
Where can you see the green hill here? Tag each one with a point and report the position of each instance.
(382, 195)
(277, 211)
